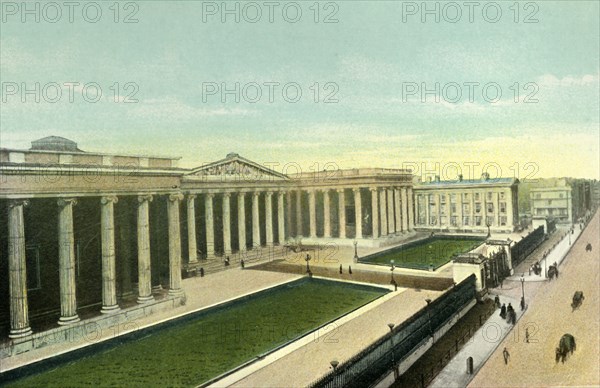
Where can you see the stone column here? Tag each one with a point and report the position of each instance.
(438, 208)
(427, 210)
(357, 212)
(472, 210)
(405, 209)
(241, 205)
(288, 213)
(210, 226)
(398, 210)
(326, 214)
(269, 218)
(299, 213)
(382, 212)
(448, 210)
(459, 208)
(509, 210)
(19, 311)
(143, 238)
(496, 199)
(66, 258)
(374, 212)
(390, 211)
(312, 212)
(342, 212)
(255, 221)
(280, 219)
(191, 226)
(226, 224)
(174, 245)
(411, 210)
(109, 272)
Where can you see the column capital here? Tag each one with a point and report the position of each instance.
(255, 193)
(210, 195)
(374, 189)
(145, 198)
(268, 193)
(356, 189)
(109, 198)
(66, 202)
(226, 194)
(340, 190)
(191, 196)
(18, 202)
(324, 189)
(175, 197)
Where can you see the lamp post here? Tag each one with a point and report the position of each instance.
(334, 364)
(522, 292)
(391, 326)
(307, 260)
(355, 251)
(392, 268)
(428, 301)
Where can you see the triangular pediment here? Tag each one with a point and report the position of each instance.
(235, 167)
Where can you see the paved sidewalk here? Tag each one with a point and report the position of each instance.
(481, 346)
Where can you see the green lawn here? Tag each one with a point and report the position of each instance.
(195, 351)
(434, 251)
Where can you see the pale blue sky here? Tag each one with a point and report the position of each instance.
(369, 54)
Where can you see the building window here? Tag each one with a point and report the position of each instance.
(443, 220)
(452, 198)
(478, 221)
(32, 258)
(453, 208)
(538, 196)
(466, 196)
(563, 212)
(466, 208)
(502, 195)
(490, 207)
(442, 209)
(490, 220)
(432, 220)
(503, 221)
(454, 221)
(489, 196)
(442, 198)
(466, 220)
(502, 207)
(477, 208)
(549, 202)
(540, 212)
(560, 195)
(477, 196)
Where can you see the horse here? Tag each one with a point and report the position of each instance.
(577, 300)
(588, 247)
(566, 346)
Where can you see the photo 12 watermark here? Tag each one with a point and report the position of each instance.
(470, 11)
(290, 12)
(69, 11)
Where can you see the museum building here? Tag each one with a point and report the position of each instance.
(87, 234)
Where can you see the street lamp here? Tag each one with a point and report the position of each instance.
(522, 292)
(391, 326)
(392, 268)
(428, 301)
(334, 364)
(307, 260)
(355, 251)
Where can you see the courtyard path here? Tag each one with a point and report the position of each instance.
(548, 317)
(308, 363)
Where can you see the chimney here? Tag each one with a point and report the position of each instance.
(485, 176)
(437, 178)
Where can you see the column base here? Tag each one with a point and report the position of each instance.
(63, 321)
(20, 333)
(145, 299)
(192, 262)
(157, 288)
(110, 309)
(175, 292)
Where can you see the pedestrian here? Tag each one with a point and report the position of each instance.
(350, 269)
(501, 282)
(243, 263)
(497, 301)
(341, 271)
(506, 355)
(527, 335)
(201, 272)
(503, 311)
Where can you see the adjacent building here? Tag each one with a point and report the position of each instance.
(566, 201)
(475, 205)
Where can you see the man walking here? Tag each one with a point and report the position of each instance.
(506, 356)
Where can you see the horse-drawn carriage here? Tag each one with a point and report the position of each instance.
(588, 247)
(552, 272)
(566, 346)
(577, 300)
